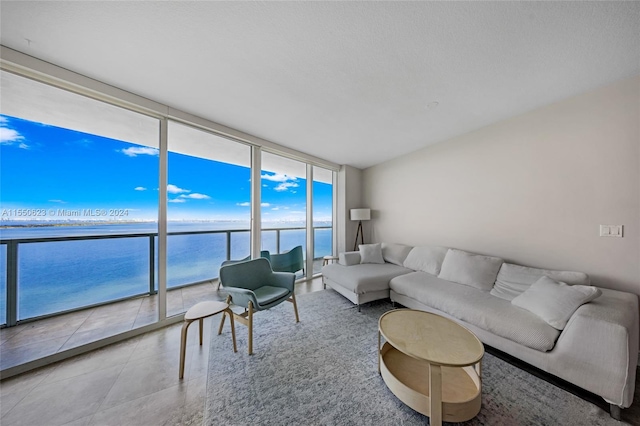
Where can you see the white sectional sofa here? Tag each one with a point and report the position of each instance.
(585, 335)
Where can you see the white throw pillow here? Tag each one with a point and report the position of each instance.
(371, 253)
(513, 280)
(395, 253)
(555, 301)
(470, 269)
(426, 259)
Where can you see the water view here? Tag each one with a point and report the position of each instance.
(78, 210)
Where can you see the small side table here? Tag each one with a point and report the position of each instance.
(199, 312)
(327, 259)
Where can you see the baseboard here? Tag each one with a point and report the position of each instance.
(88, 347)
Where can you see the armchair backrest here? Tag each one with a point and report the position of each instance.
(265, 254)
(291, 261)
(251, 274)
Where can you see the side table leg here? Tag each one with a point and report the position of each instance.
(233, 327)
(183, 347)
(435, 393)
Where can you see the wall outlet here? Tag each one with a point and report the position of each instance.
(611, 231)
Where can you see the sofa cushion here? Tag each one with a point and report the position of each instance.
(555, 301)
(426, 259)
(364, 277)
(371, 253)
(395, 253)
(479, 308)
(514, 280)
(470, 269)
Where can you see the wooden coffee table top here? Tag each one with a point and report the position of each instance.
(430, 337)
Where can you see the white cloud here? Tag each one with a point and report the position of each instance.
(11, 136)
(285, 185)
(196, 196)
(264, 185)
(248, 204)
(277, 177)
(134, 151)
(139, 188)
(58, 201)
(3, 120)
(276, 208)
(172, 189)
(177, 200)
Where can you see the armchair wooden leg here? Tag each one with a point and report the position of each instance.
(228, 301)
(295, 306)
(250, 325)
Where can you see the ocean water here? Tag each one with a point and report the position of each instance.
(62, 275)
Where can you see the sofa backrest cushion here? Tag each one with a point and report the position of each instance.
(470, 269)
(395, 253)
(426, 259)
(555, 301)
(514, 280)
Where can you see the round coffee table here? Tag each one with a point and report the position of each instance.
(432, 364)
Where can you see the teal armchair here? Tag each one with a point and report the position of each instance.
(263, 253)
(254, 286)
(291, 261)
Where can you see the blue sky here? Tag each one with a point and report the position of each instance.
(51, 168)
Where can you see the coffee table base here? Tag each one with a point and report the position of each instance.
(456, 399)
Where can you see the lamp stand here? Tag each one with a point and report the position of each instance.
(361, 233)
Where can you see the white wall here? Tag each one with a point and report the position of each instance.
(349, 197)
(532, 189)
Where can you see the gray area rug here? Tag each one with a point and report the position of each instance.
(323, 371)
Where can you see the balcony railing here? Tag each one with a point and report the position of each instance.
(117, 266)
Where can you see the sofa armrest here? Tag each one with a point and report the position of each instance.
(598, 349)
(349, 258)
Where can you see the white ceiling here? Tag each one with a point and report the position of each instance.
(350, 82)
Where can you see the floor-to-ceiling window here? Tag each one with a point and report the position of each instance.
(322, 215)
(78, 180)
(283, 204)
(208, 210)
(82, 220)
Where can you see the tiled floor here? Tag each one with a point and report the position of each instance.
(134, 382)
(33, 340)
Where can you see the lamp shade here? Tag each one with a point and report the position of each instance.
(360, 214)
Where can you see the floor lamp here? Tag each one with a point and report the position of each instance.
(359, 215)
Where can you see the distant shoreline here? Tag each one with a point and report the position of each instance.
(8, 225)
(60, 224)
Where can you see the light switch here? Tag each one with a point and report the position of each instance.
(611, 231)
